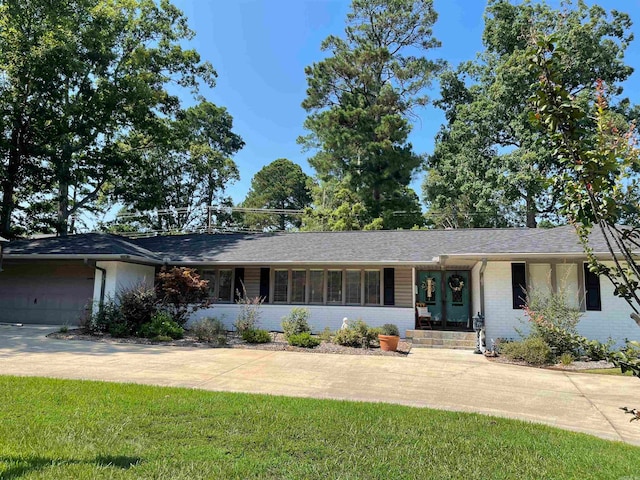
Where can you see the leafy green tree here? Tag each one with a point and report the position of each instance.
(82, 80)
(280, 185)
(360, 100)
(183, 174)
(488, 167)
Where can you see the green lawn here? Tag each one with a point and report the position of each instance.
(71, 429)
(608, 371)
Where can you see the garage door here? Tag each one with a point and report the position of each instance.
(51, 293)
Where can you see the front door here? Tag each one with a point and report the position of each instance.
(430, 293)
(457, 298)
(447, 296)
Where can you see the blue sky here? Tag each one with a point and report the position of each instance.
(261, 47)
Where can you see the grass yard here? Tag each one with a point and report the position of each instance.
(608, 371)
(74, 429)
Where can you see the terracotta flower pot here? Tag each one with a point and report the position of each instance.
(388, 343)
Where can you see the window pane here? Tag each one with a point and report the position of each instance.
(372, 287)
(592, 289)
(334, 286)
(210, 275)
(298, 283)
(280, 285)
(353, 286)
(316, 284)
(518, 285)
(224, 291)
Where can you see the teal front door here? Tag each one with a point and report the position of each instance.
(457, 298)
(430, 293)
(447, 296)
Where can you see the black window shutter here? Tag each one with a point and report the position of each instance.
(264, 284)
(592, 289)
(238, 283)
(519, 284)
(389, 286)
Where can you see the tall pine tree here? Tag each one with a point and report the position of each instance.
(360, 99)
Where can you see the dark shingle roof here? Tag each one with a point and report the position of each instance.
(91, 244)
(343, 247)
(410, 246)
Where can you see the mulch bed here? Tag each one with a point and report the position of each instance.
(278, 343)
(575, 366)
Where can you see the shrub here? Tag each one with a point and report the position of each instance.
(181, 291)
(119, 330)
(256, 335)
(102, 320)
(296, 322)
(555, 323)
(566, 359)
(137, 306)
(303, 339)
(532, 350)
(161, 325)
(390, 329)
(326, 335)
(210, 330)
(249, 316)
(359, 334)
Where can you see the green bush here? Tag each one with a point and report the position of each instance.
(256, 335)
(326, 335)
(532, 350)
(303, 339)
(566, 359)
(102, 320)
(209, 330)
(119, 330)
(553, 321)
(359, 335)
(296, 322)
(390, 329)
(161, 325)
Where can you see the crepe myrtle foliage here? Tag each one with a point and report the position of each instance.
(596, 161)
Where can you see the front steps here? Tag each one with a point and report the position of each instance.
(442, 339)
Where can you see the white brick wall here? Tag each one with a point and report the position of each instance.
(321, 316)
(613, 321)
(501, 319)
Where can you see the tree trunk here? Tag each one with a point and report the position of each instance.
(10, 181)
(531, 211)
(63, 177)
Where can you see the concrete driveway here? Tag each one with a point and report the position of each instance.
(444, 379)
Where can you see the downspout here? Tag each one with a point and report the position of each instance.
(482, 269)
(103, 282)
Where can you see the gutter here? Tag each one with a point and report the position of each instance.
(391, 263)
(77, 256)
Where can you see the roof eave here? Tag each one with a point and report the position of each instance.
(77, 256)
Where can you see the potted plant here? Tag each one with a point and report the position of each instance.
(389, 337)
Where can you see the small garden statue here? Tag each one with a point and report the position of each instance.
(345, 324)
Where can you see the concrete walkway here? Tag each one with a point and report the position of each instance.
(444, 379)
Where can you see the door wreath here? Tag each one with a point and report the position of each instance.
(456, 284)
